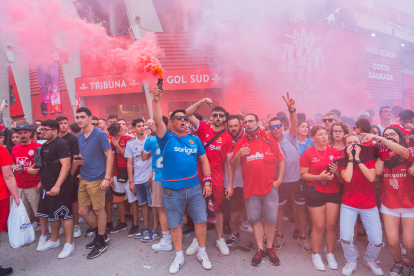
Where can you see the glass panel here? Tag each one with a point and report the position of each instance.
(128, 111)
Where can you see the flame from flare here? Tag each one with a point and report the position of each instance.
(159, 71)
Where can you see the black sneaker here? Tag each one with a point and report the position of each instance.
(232, 239)
(128, 217)
(396, 269)
(97, 251)
(271, 255)
(120, 227)
(134, 230)
(226, 228)
(109, 227)
(258, 258)
(95, 241)
(296, 233)
(188, 228)
(5, 271)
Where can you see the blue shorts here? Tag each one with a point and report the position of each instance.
(143, 193)
(176, 201)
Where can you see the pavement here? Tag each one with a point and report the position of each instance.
(129, 256)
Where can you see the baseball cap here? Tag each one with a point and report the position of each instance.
(23, 127)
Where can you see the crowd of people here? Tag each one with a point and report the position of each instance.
(226, 172)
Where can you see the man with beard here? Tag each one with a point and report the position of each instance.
(217, 143)
(259, 156)
(233, 182)
(181, 186)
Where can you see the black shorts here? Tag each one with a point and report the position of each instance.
(318, 199)
(297, 189)
(56, 207)
(75, 189)
(236, 201)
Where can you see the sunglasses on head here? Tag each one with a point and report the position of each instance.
(278, 126)
(221, 115)
(179, 118)
(328, 120)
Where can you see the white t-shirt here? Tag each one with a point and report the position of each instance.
(142, 169)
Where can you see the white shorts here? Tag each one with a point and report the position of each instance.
(123, 188)
(399, 212)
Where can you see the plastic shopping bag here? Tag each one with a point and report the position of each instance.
(20, 229)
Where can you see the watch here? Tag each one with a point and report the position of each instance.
(294, 110)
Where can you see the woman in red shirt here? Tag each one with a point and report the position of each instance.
(359, 199)
(363, 128)
(397, 195)
(323, 196)
(337, 135)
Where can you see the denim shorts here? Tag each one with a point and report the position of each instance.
(143, 193)
(263, 207)
(177, 200)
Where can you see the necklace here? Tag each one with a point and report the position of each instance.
(319, 155)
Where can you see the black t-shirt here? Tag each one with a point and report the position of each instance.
(49, 174)
(73, 143)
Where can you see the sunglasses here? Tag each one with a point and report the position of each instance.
(150, 123)
(179, 118)
(95, 124)
(221, 115)
(328, 120)
(147, 128)
(278, 126)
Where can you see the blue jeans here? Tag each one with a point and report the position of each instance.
(177, 200)
(143, 193)
(371, 220)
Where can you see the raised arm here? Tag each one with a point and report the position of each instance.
(193, 109)
(157, 113)
(290, 102)
(397, 148)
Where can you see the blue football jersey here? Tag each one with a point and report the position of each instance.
(151, 145)
(179, 155)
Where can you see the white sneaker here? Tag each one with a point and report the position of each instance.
(205, 262)
(178, 262)
(317, 262)
(67, 250)
(49, 245)
(42, 242)
(403, 251)
(222, 246)
(36, 226)
(246, 227)
(374, 267)
(332, 264)
(162, 246)
(356, 251)
(81, 220)
(76, 231)
(349, 268)
(193, 248)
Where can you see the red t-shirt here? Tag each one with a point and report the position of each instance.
(258, 175)
(216, 152)
(359, 193)
(122, 163)
(368, 143)
(317, 161)
(24, 155)
(397, 190)
(5, 160)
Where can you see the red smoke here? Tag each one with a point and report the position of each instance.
(30, 27)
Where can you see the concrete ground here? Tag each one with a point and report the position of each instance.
(128, 256)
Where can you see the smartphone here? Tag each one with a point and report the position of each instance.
(77, 158)
(4, 101)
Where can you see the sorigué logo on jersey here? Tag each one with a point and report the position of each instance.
(186, 150)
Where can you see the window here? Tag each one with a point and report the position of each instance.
(12, 96)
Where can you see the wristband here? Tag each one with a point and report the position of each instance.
(207, 180)
(294, 110)
(131, 182)
(359, 162)
(106, 179)
(350, 161)
(318, 178)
